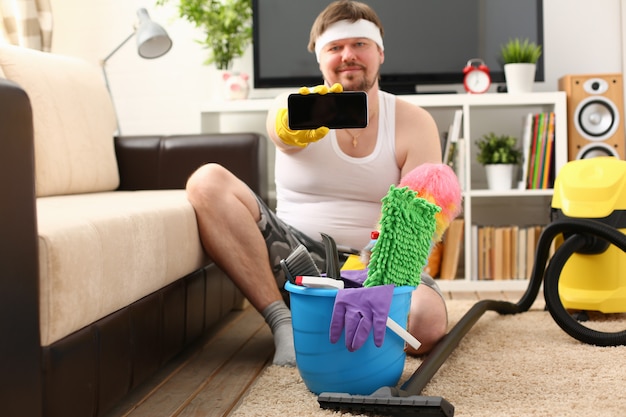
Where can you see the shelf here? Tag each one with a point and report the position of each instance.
(509, 193)
(424, 100)
(482, 286)
(485, 100)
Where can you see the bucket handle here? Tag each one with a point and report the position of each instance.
(405, 335)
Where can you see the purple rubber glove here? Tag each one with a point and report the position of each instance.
(354, 278)
(361, 310)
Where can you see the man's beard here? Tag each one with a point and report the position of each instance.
(360, 82)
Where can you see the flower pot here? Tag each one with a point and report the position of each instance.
(519, 77)
(236, 85)
(500, 176)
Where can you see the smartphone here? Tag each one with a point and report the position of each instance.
(346, 110)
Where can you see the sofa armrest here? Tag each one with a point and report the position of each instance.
(165, 162)
(20, 354)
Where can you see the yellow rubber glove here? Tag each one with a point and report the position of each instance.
(302, 138)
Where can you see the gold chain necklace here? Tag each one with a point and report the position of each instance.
(355, 138)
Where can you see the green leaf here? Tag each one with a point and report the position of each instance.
(498, 149)
(520, 51)
(227, 26)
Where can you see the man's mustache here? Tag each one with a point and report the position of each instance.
(346, 66)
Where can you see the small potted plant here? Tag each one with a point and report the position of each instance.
(500, 155)
(227, 27)
(520, 63)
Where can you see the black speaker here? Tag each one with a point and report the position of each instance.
(595, 109)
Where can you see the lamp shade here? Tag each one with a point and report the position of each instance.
(152, 39)
(152, 42)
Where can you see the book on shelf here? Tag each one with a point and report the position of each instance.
(499, 255)
(458, 164)
(538, 151)
(505, 252)
(527, 129)
(452, 246)
(547, 178)
(456, 161)
(482, 248)
(532, 157)
(474, 249)
(485, 266)
(444, 144)
(522, 232)
(530, 251)
(452, 137)
(513, 239)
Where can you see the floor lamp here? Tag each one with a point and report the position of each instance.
(152, 42)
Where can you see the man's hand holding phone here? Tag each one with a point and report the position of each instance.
(302, 137)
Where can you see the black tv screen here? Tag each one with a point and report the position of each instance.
(427, 42)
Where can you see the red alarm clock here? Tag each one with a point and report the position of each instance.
(476, 78)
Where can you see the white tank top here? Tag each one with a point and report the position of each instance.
(321, 189)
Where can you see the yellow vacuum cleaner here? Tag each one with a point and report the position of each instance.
(595, 278)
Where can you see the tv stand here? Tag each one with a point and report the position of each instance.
(411, 89)
(399, 89)
(437, 92)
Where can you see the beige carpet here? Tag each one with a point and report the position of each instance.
(522, 365)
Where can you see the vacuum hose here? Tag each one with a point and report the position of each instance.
(582, 234)
(585, 233)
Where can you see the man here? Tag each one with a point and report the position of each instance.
(326, 181)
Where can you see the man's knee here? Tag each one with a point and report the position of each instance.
(428, 319)
(209, 179)
(205, 175)
(428, 337)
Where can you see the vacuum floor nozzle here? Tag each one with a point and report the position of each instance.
(383, 401)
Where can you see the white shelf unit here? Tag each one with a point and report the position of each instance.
(501, 114)
(482, 113)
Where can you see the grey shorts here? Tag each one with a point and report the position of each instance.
(282, 239)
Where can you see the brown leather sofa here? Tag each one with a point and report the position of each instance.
(86, 372)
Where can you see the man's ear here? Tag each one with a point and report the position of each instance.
(382, 56)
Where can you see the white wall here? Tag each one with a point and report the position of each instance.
(166, 95)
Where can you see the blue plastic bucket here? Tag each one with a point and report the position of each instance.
(328, 367)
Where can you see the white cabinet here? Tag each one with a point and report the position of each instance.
(484, 113)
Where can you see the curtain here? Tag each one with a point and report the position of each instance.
(26, 23)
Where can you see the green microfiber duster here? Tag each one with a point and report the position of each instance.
(401, 252)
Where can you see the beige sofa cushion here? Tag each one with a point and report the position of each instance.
(74, 120)
(100, 252)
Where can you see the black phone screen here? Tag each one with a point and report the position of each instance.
(346, 110)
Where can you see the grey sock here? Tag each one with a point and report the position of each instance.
(278, 317)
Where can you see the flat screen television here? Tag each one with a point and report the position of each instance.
(427, 42)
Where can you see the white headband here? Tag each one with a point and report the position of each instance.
(345, 29)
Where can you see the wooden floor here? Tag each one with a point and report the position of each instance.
(211, 378)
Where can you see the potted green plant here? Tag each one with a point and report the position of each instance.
(226, 24)
(500, 155)
(520, 63)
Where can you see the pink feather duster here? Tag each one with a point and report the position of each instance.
(438, 184)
